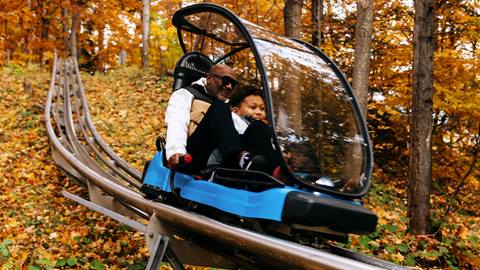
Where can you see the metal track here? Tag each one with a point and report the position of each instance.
(81, 152)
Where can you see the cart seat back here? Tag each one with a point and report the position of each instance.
(191, 67)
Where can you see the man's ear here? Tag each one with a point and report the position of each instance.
(235, 109)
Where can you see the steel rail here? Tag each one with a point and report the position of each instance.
(96, 137)
(124, 170)
(76, 92)
(78, 109)
(273, 252)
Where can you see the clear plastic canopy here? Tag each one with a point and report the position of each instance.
(317, 126)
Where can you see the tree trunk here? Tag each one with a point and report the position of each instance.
(145, 31)
(8, 51)
(44, 23)
(123, 57)
(101, 40)
(8, 56)
(256, 11)
(361, 70)
(25, 37)
(363, 40)
(317, 19)
(420, 169)
(66, 43)
(73, 34)
(292, 14)
(292, 17)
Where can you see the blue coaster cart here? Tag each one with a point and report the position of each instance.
(318, 132)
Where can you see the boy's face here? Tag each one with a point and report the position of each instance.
(251, 106)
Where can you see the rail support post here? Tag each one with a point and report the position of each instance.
(158, 242)
(161, 250)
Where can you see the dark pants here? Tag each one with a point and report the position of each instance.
(258, 140)
(216, 130)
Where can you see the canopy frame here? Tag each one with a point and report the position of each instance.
(182, 24)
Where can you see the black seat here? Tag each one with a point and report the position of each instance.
(191, 67)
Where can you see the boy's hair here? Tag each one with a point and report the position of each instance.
(240, 94)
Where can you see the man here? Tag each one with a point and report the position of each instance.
(198, 121)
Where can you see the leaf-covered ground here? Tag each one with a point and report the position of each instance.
(40, 229)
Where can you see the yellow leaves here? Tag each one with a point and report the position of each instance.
(11, 223)
(463, 233)
(43, 226)
(460, 16)
(396, 257)
(51, 187)
(132, 120)
(122, 113)
(380, 111)
(456, 85)
(22, 258)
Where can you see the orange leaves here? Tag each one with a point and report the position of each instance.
(41, 228)
(129, 113)
(457, 244)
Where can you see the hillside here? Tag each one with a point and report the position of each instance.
(42, 230)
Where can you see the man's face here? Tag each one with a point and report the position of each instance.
(220, 82)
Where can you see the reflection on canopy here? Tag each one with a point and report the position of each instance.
(314, 119)
(211, 34)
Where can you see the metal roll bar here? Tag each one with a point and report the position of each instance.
(79, 150)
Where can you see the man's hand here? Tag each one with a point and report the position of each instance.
(174, 161)
(179, 161)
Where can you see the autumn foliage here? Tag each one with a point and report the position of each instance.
(42, 229)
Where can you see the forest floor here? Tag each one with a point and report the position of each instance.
(40, 229)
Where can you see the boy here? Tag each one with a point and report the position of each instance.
(247, 105)
(249, 118)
